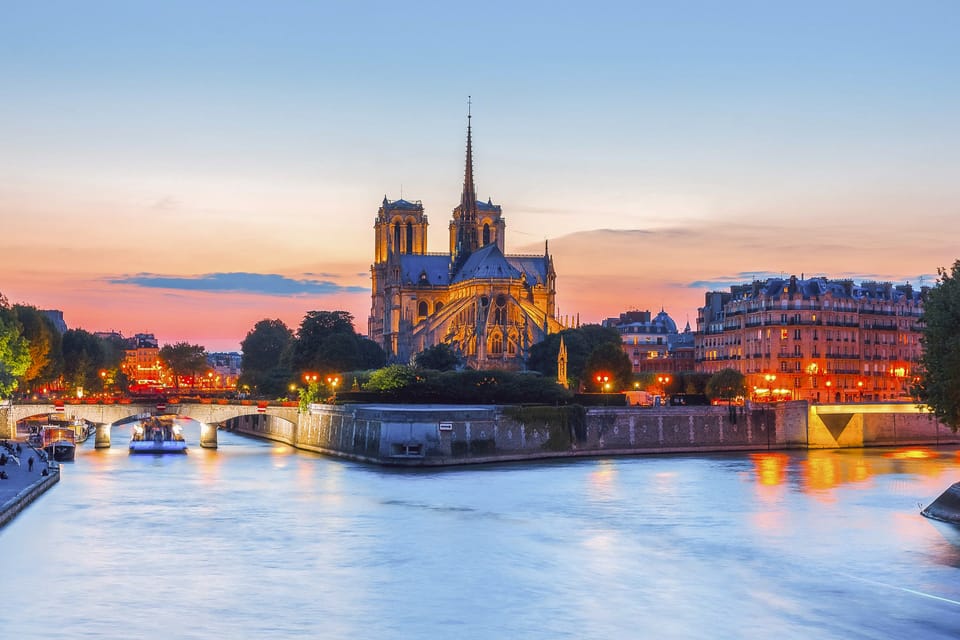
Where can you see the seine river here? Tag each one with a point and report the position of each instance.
(257, 540)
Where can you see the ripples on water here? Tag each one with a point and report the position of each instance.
(257, 540)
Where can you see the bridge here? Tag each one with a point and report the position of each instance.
(209, 415)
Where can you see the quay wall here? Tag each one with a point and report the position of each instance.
(19, 502)
(426, 435)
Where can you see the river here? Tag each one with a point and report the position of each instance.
(258, 540)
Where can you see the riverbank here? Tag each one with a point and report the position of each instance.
(444, 435)
(24, 485)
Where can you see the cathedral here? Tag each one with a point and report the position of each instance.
(489, 306)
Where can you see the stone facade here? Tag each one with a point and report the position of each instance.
(434, 435)
(814, 339)
(490, 306)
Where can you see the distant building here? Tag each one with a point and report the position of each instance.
(142, 363)
(814, 339)
(653, 344)
(56, 317)
(225, 367)
(489, 306)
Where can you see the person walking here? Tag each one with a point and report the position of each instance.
(30, 463)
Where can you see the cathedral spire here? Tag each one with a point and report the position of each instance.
(468, 198)
(465, 216)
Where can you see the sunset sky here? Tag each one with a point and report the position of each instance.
(189, 168)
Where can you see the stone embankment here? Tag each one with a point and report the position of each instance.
(430, 435)
(946, 507)
(22, 484)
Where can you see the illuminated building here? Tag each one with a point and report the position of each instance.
(654, 344)
(142, 360)
(490, 306)
(814, 339)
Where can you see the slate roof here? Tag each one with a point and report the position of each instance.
(434, 269)
(486, 263)
(403, 205)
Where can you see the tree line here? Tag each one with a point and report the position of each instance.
(32, 352)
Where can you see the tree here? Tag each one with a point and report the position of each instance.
(326, 342)
(183, 359)
(42, 337)
(84, 355)
(14, 351)
(726, 384)
(440, 357)
(609, 359)
(262, 363)
(392, 378)
(939, 384)
(580, 344)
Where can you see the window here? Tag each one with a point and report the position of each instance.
(486, 234)
(409, 237)
(496, 345)
(396, 236)
(422, 308)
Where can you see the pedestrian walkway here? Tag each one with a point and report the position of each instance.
(15, 489)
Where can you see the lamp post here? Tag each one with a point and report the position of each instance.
(664, 381)
(603, 382)
(770, 378)
(333, 381)
(860, 390)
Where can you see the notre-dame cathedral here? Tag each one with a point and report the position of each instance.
(489, 306)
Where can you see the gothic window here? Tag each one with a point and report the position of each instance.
(396, 236)
(486, 234)
(409, 237)
(437, 307)
(500, 312)
(422, 309)
(496, 345)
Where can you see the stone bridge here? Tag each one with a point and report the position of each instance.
(105, 415)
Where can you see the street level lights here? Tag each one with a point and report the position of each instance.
(664, 381)
(333, 381)
(603, 382)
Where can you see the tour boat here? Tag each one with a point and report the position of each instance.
(157, 435)
(59, 442)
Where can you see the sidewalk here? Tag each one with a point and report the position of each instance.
(23, 486)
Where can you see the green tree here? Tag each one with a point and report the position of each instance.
(608, 359)
(391, 378)
(43, 339)
(326, 342)
(939, 384)
(84, 356)
(184, 359)
(14, 351)
(262, 363)
(580, 344)
(726, 384)
(440, 357)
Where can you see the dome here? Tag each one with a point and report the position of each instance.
(664, 320)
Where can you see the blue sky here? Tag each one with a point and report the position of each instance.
(161, 138)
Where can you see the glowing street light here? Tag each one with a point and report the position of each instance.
(603, 381)
(664, 381)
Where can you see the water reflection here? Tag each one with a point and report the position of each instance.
(257, 540)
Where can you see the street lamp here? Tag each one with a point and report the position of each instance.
(310, 377)
(333, 381)
(770, 378)
(602, 381)
(664, 381)
(860, 390)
